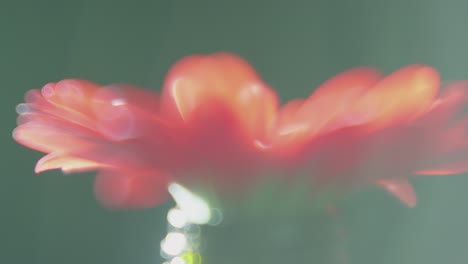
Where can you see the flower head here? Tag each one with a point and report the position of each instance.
(217, 121)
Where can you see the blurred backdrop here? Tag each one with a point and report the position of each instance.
(295, 45)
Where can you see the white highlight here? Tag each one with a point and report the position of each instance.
(292, 129)
(177, 218)
(174, 244)
(259, 144)
(195, 208)
(184, 220)
(22, 109)
(118, 102)
(251, 91)
(177, 85)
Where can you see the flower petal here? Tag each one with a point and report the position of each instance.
(327, 106)
(68, 99)
(67, 164)
(52, 139)
(401, 188)
(401, 96)
(221, 79)
(326, 109)
(446, 169)
(136, 190)
(448, 123)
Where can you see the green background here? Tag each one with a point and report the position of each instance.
(295, 45)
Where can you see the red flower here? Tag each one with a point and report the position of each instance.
(217, 121)
(358, 128)
(214, 112)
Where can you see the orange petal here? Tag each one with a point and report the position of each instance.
(137, 190)
(67, 164)
(88, 104)
(114, 118)
(198, 79)
(443, 172)
(69, 99)
(51, 139)
(37, 104)
(329, 104)
(325, 109)
(402, 95)
(401, 188)
(69, 93)
(220, 79)
(449, 168)
(146, 100)
(256, 107)
(286, 122)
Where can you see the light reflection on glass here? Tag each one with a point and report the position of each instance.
(183, 239)
(196, 209)
(177, 218)
(174, 244)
